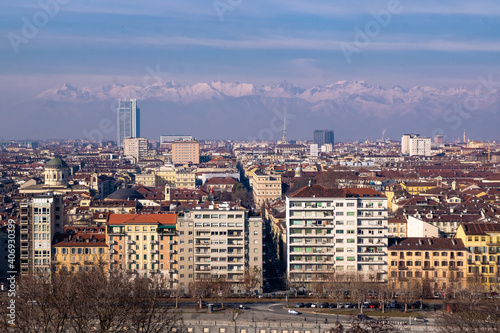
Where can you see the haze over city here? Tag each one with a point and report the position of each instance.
(419, 63)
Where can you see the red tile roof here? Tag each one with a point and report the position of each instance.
(165, 219)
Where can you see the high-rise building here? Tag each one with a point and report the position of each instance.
(129, 121)
(341, 232)
(220, 242)
(415, 145)
(323, 136)
(41, 218)
(186, 152)
(135, 147)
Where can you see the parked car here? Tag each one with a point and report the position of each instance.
(299, 305)
(324, 305)
(294, 312)
(314, 305)
(332, 305)
(362, 316)
(307, 305)
(419, 320)
(243, 307)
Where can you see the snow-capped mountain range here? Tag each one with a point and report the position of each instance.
(178, 93)
(243, 110)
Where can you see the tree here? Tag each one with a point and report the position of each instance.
(86, 301)
(251, 279)
(470, 315)
(200, 289)
(358, 286)
(411, 292)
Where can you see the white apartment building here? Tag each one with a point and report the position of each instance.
(340, 231)
(136, 148)
(415, 145)
(219, 242)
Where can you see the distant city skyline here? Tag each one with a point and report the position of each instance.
(449, 43)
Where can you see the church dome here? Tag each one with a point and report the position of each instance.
(56, 163)
(125, 194)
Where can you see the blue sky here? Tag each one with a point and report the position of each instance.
(87, 43)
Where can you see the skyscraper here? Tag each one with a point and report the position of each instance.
(323, 136)
(129, 120)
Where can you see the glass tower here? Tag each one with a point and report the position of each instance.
(129, 120)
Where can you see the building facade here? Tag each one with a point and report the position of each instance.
(136, 148)
(219, 242)
(265, 187)
(436, 265)
(333, 231)
(40, 219)
(80, 249)
(482, 241)
(321, 137)
(144, 244)
(415, 145)
(186, 152)
(129, 121)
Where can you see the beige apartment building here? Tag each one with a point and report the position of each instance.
(219, 242)
(186, 152)
(176, 177)
(265, 187)
(437, 265)
(144, 244)
(136, 148)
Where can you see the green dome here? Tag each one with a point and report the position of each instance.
(56, 163)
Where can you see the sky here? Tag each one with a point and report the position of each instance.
(440, 43)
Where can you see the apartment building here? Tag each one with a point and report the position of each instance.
(186, 152)
(482, 241)
(136, 148)
(339, 231)
(80, 249)
(265, 187)
(437, 264)
(397, 227)
(415, 145)
(40, 219)
(176, 177)
(144, 244)
(219, 242)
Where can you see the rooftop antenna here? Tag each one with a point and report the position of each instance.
(284, 127)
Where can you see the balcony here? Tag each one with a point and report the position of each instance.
(153, 261)
(172, 270)
(403, 268)
(172, 242)
(171, 251)
(427, 268)
(153, 242)
(112, 251)
(130, 251)
(112, 242)
(130, 242)
(153, 251)
(172, 261)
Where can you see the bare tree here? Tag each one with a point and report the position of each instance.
(200, 289)
(86, 301)
(410, 292)
(251, 279)
(358, 286)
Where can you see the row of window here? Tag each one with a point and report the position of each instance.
(78, 250)
(218, 216)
